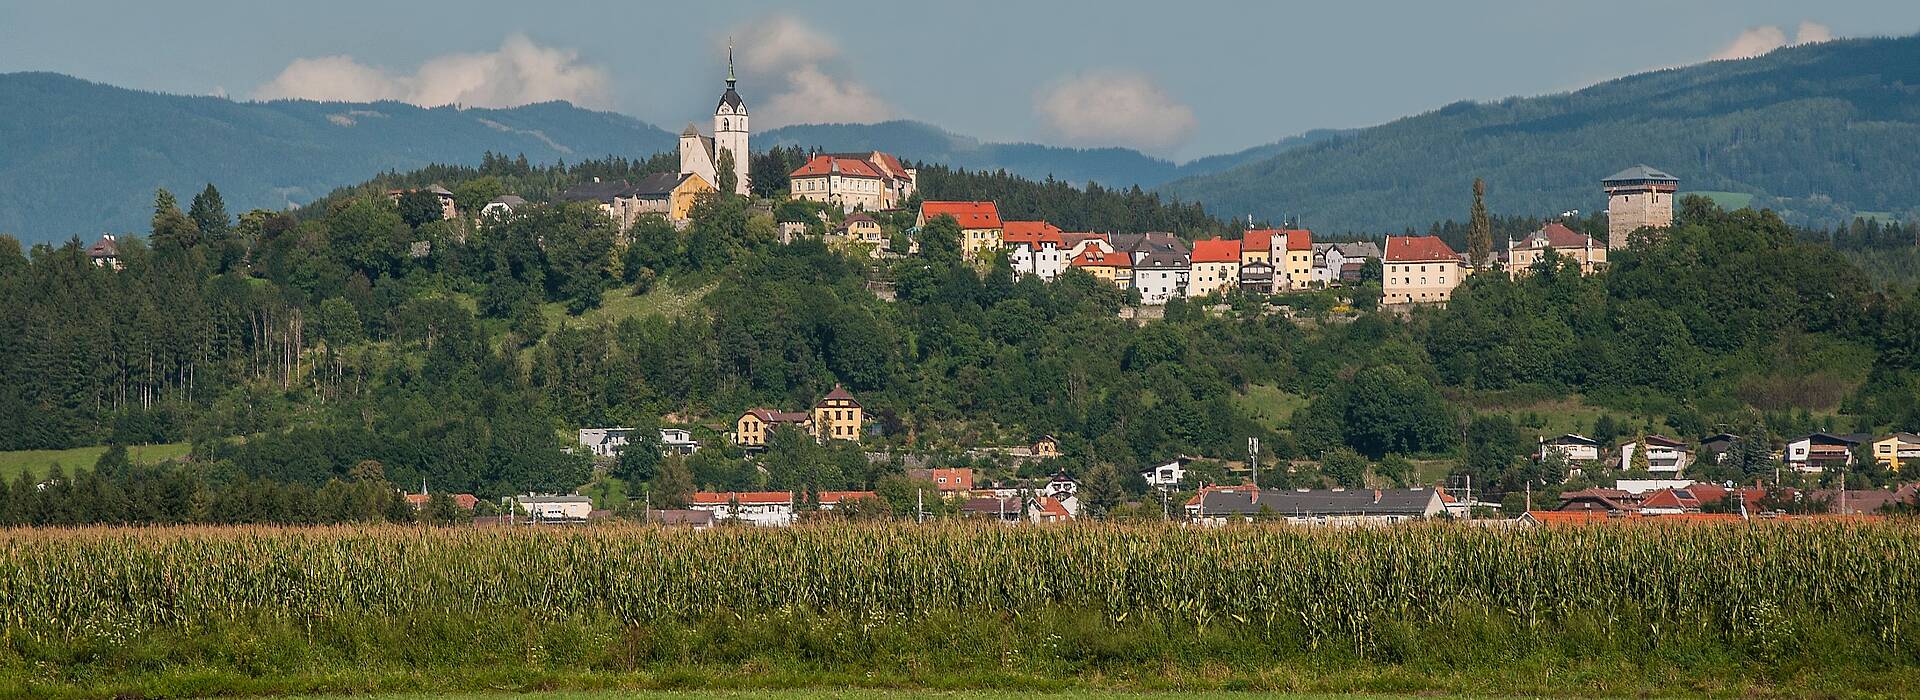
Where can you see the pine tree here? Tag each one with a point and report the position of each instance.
(1480, 229)
(209, 214)
(1638, 463)
(170, 227)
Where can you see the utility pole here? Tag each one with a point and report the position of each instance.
(1529, 495)
(920, 505)
(1469, 500)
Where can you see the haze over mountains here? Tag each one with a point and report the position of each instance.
(1820, 132)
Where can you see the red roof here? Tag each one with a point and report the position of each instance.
(839, 393)
(1260, 239)
(1051, 507)
(835, 497)
(1096, 257)
(847, 167)
(1299, 239)
(1215, 250)
(758, 498)
(1419, 249)
(1557, 235)
(971, 215)
(1033, 232)
(888, 163)
(1671, 499)
(956, 479)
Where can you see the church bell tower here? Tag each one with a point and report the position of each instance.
(730, 129)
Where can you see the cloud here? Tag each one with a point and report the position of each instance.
(1763, 39)
(520, 72)
(799, 64)
(1107, 108)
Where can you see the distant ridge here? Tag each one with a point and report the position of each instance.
(1819, 132)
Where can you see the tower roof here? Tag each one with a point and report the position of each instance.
(691, 130)
(730, 98)
(1640, 173)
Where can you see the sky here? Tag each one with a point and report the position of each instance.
(1177, 80)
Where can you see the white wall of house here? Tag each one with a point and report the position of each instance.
(1158, 285)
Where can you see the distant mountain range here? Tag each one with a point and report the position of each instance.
(82, 158)
(1820, 132)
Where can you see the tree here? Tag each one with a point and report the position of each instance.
(673, 487)
(1345, 466)
(729, 181)
(1103, 490)
(172, 229)
(1638, 462)
(209, 214)
(1479, 229)
(420, 207)
(640, 460)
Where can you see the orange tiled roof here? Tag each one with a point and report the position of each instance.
(1095, 257)
(1260, 239)
(1215, 250)
(1299, 239)
(712, 498)
(1032, 232)
(835, 497)
(971, 215)
(1419, 249)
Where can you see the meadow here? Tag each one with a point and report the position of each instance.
(1769, 608)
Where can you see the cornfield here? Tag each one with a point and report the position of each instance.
(1329, 582)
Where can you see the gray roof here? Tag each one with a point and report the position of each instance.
(596, 191)
(1362, 249)
(1640, 173)
(1153, 250)
(657, 185)
(511, 200)
(731, 99)
(1320, 502)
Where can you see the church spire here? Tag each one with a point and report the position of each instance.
(730, 79)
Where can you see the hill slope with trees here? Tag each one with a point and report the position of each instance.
(1817, 133)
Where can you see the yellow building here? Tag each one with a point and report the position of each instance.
(1109, 265)
(1298, 251)
(1257, 246)
(838, 416)
(754, 426)
(1897, 449)
(1523, 254)
(981, 233)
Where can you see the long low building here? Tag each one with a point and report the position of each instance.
(1218, 506)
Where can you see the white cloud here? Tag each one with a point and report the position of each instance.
(1760, 40)
(1108, 108)
(797, 63)
(520, 72)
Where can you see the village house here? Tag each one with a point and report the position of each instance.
(1046, 447)
(1600, 500)
(1293, 258)
(869, 181)
(861, 228)
(1419, 270)
(1818, 451)
(555, 509)
(463, 501)
(1715, 447)
(1664, 454)
(1014, 509)
(838, 416)
(1256, 277)
(608, 442)
(1168, 474)
(667, 194)
(755, 425)
(829, 500)
(954, 480)
(1575, 449)
(764, 508)
(502, 206)
(1348, 507)
(981, 230)
(1036, 248)
(1895, 450)
(1523, 254)
(1106, 265)
(1216, 267)
(1161, 266)
(105, 252)
(1346, 260)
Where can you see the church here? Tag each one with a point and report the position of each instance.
(700, 155)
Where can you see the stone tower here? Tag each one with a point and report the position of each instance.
(1638, 197)
(730, 129)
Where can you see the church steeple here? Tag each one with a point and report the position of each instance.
(730, 79)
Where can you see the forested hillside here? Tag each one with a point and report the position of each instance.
(1818, 133)
(299, 350)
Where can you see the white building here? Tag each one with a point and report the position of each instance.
(1169, 474)
(678, 441)
(700, 155)
(1036, 248)
(1576, 449)
(764, 508)
(555, 509)
(1161, 266)
(1665, 455)
(608, 442)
